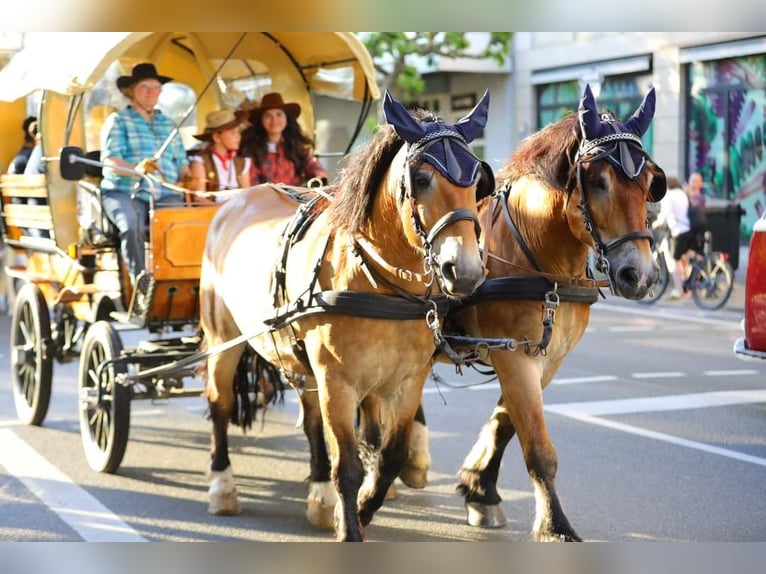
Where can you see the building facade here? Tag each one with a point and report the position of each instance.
(711, 99)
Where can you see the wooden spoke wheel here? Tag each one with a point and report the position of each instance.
(31, 357)
(104, 398)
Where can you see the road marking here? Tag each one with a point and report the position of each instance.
(86, 515)
(631, 328)
(732, 373)
(658, 375)
(630, 429)
(579, 380)
(659, 403)
(689, 315)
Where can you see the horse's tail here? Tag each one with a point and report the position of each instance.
(257, 383)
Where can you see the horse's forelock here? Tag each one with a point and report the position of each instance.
(546, 154)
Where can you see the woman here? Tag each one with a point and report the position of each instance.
(217, 166)
(281, 152)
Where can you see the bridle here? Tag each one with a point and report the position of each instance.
(615, 148)
(418, 153)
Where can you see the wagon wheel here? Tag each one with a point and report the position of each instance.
(104, 401)
(31, 357)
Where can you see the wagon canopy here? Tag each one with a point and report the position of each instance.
(72, 62)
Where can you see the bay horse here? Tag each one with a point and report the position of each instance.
(577, 185)
(343, 292)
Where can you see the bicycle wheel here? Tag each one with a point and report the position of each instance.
(711, 282)
(663, 278)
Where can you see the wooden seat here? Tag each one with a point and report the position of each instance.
(26, 214)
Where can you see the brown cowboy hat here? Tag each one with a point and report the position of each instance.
(141, 72)
(272, 101)
(221, 120)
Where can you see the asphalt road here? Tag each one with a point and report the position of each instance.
(660, 431)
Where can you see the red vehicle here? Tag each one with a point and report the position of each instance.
(753, 345)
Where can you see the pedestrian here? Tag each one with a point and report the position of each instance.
(674, 209)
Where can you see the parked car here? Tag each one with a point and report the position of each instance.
(753, 345)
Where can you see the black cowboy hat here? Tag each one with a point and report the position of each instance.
(271, 101)
(221, 120)
(141, 72)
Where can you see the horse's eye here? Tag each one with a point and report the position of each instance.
(421, 180)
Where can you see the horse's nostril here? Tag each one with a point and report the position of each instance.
(448, 272)
(628, 275)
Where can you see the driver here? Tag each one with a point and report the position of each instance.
(131, 138)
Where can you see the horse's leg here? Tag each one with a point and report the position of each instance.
(322, 497)
(415, 471)
(479, 472)
(399, 414)
(346, 467)
(221, 368)
(523, 412)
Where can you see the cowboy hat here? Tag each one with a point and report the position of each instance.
(141, 72)
(221, 120)
(272, 101)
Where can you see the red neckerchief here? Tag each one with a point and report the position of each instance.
(225, 158)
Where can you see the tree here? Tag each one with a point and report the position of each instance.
(395, 53)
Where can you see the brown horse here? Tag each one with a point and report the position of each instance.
(577, 185)
(342, 294)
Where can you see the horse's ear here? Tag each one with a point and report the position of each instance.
(590, 124)
(473, 122)
(486, 185)
(659, 185)
(402, 121)
(642, 117)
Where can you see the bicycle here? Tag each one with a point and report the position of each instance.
(709, 275)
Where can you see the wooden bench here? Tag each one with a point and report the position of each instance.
(26, 214)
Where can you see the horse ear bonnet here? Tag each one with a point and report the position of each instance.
(444, 146)
(606, 137)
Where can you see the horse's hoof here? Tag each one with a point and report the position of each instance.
(414, 477)
(320, 505)
(224, 504)
(485, 515)
(222, 494)
(319, 515)
(391, 493)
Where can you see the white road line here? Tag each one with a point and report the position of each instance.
(579, 380)
(659, 403)
(731, 373)
(631, 328)
(658, 375)
(689, 315)
(86, 515)
(630, 429)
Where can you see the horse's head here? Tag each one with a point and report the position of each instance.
(615, 178)
(437, 185)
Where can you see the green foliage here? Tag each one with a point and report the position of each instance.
(394, 54)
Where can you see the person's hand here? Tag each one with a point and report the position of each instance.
(147, 166)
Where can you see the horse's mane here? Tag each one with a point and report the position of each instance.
(362, 174)
(547, 155)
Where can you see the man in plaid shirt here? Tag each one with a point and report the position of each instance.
(130, 139)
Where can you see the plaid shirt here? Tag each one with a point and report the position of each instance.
(128, 136)
(277, 168)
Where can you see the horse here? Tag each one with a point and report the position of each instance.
(579, 184)
(332, 290)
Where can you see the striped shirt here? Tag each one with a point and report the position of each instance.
(128, 136)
